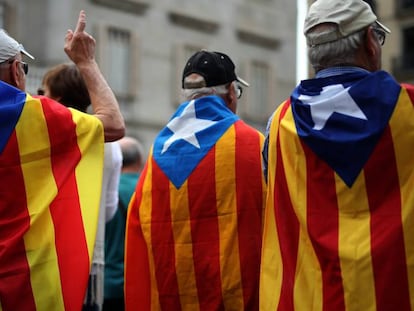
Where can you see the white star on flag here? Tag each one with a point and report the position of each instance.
(186, 126)
(333, 98)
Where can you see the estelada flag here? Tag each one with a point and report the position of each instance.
(339, 218)
(195, 220)
(51, 161)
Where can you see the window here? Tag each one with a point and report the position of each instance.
(408, 48)
(183, 53)
(407, 4)
(2, 14)
(118, 56)
(255, 105)
(130, 6)
(194, 23)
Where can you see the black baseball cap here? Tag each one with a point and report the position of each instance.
(215, 67)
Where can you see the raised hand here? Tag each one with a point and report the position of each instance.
(79, 45)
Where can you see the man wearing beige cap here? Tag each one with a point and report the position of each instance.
(51, 163)
(339, 221)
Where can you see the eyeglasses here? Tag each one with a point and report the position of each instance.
(380, 35)
(25, 66)
(239, 91)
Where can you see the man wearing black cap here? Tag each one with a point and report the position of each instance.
(194, 225)
(339, 217)
(51, 163)
(209, 73)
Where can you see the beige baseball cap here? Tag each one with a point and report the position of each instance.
(10, 47)
(350, 16)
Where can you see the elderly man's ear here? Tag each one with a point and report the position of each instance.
(231, 98)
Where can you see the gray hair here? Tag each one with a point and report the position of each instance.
(194, 87)
(190, 94)
(132, 151)
(339, 52)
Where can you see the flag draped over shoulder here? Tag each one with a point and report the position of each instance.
(339, 221)
(195, 221)
(51, 170)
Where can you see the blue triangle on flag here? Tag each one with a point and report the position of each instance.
(11, 105)
(190, 134)
(345, 143)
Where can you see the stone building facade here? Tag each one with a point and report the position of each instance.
(398, 50)
(142, 46)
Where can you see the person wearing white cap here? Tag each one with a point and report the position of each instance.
(11, 58)
(51, 166)
(339, 220)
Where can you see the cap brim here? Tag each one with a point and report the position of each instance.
(383, 27)
(243, 82)
(23, 51)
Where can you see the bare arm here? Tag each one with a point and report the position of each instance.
(80, 48)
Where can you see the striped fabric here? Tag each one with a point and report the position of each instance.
(50, 168)
(196, 246)
(339, 235)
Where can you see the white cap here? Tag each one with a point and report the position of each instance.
(10, 47)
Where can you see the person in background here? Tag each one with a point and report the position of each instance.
(194, 225)
(48, 153)
(339, 222)
(132, 163)
(64, 83)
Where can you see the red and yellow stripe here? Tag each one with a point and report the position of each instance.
(52, 171)
(330, 247)
(198, 247)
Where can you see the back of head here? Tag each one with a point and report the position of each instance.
(334, 30)
(208, 72)
(66, 85)
(132, 153)
(9, 49)
(215, 67)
